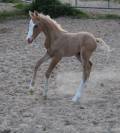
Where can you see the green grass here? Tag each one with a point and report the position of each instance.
(11, 1)
(106, 16)
(21, 6)
(20, 13)
(26, 7)
(112, 16)
(11, 15)
(117, 1)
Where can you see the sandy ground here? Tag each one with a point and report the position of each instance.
(24, 112)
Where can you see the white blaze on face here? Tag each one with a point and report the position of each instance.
(30, 32)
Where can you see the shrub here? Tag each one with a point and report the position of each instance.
(54, 8)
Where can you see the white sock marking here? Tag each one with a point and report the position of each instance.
(30, 85)
(79, 91)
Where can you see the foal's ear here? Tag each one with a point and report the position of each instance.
(36, 13)
(31, 14)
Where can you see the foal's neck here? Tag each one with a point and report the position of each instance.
(51, 33)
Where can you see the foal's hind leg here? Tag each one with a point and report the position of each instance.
(87, 65)
(86, 72)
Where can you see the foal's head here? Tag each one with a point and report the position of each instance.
(34, 26)
(41, 23)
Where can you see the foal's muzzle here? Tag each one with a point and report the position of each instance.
(29, 40)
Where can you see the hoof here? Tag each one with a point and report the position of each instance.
(44, 97)
(31, 91)
(31, 87)
(32, 83)
(75, 100)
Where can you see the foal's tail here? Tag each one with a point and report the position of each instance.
(104, 47)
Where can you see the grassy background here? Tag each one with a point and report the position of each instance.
(54, 11)
(10, 1)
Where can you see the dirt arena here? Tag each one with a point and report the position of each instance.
(22, 111)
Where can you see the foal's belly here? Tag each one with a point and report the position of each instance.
(71, 50)
(69, 45)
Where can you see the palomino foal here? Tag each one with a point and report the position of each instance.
(60, 43)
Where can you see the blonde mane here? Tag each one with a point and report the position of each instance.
(52, 22)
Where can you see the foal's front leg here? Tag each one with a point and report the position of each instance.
(43, 59)
(53, 63)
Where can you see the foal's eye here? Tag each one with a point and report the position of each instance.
(36, 26)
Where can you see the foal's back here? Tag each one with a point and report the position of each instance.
(72, 43)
